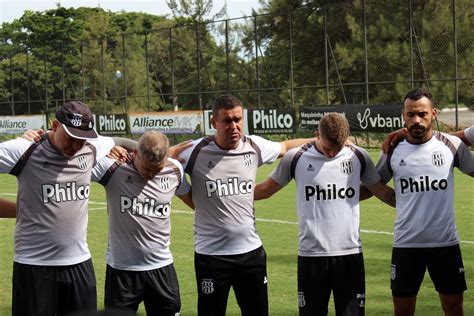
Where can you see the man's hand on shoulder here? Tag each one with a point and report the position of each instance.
(176, 150)
(33, 135)
(118, 153)
(393, 139)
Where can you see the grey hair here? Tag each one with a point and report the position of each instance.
(153, 146)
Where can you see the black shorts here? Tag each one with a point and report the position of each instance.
(343, 275)
(157, 288)
(444, 265)
(51, 290)
(246, 273)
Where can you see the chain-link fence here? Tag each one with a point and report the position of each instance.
(342, 52)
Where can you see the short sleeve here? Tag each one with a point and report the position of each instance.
(268, 149)
(103, 146)
(383, 168)
(282, 173)
(370, 175)
(184, 186)
(10, 153)
(469, 134)
(101, 168)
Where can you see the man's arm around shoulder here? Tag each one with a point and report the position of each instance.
(292, 143)
(265, 189)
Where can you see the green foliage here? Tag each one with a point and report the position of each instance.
(307, 55)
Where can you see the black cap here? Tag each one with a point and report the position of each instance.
(77, 120)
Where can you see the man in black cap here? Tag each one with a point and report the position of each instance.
(53, 272)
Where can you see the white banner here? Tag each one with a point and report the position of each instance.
(183, 122)
(21, 123)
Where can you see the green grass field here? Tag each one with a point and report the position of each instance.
(276, 223)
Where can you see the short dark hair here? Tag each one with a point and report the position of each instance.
(419, 93)
(225, 101)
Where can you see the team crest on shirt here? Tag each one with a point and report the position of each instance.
(207, 286)
(437, 158)
(310, 167)
(164, 183)
(210, 164)
(82, 162)
(247, 160)
(346, 166)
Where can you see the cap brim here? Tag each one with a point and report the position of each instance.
(80, 133)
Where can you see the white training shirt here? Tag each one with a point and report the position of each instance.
(469, 133)
(53, 194)
(223, 183)
(327, 197)
(424, 188)
(139, 213)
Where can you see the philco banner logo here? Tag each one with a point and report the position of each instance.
(272, 121)
(113, 124)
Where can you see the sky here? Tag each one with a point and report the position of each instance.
(13, 9)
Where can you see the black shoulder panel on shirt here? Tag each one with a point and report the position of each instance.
(108, 174)
(448, 144)
(16, 170)
(297, 157)
(361, 158)
(192, 158)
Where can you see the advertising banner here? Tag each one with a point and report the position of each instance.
(111, 124)
(19, 124)
(362, 118)
(272, 121)
(183, 122)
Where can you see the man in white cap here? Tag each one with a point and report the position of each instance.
(53, 272)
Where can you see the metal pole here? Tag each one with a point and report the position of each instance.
(456, 73)
(290, 34)
(12, 85)
(366, 54)
(82, 73)
(410, 19)
(326, 53)
(198, 60)
(45, 82)
(125, 92)
(227, 53)
(147, 73)
(173, 88)
(28, 81)
(256, 60)
(102, 66)
(62, 73)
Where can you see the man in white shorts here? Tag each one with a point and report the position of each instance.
(328, 177)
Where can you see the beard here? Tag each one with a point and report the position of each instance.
(417, 131)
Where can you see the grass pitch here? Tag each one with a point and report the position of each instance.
(276, 224)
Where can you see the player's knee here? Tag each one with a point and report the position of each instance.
(452, 304)
(404, 306)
